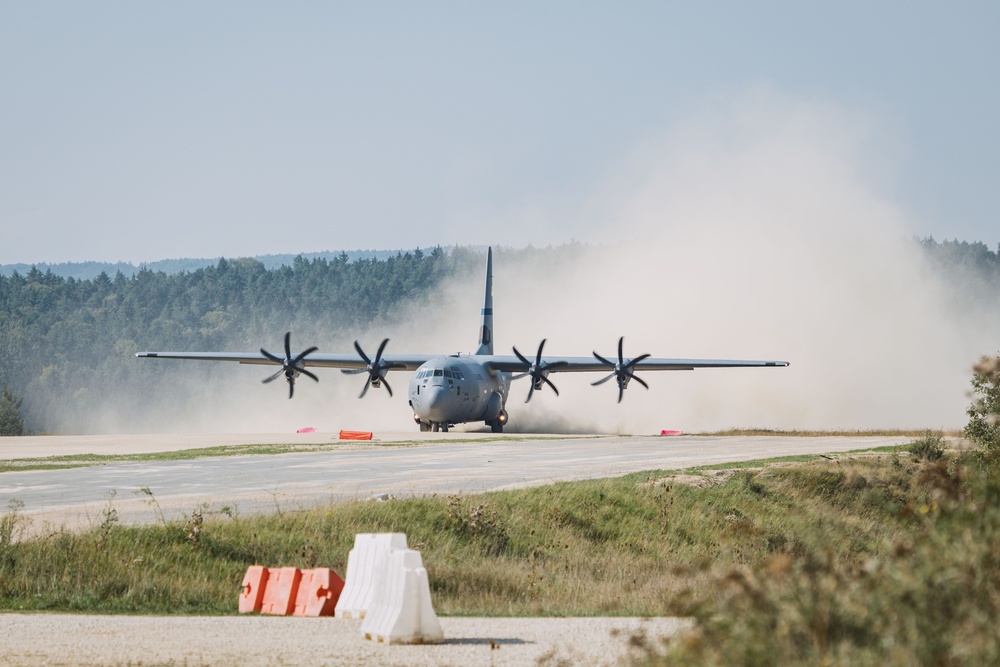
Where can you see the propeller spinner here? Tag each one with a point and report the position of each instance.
(291, 367)
(621, 370)
(376, 368)
(538, 371)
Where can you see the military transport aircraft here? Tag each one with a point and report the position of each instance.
(456, 389)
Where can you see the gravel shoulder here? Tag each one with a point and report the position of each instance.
(32, 640)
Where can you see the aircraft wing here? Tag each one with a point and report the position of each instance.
(591, 364)
(316, 359)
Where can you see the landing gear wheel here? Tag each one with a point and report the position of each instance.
(435, 426)
(444, 427)
(496, 426)
(424, 427)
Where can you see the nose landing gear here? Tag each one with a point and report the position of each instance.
(433, 426)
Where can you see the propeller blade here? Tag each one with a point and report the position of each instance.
(272, 377)
(302, 355)
(531, 391)
(288, 345)
(353, 371)
(387, 387)
(291, 388)
(275, 359)
(538, 357)
(604, 361)
(381, 348)
(364, 390)
(523, 359)
(603, 380)
(621, 342)
(549, 382)
(636, 360)
(640, 381)
(362, 353)
(310, 374)
(621, 391)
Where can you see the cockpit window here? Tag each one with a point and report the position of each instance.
(438, 372)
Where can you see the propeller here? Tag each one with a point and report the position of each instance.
(376, 368)
(621, 370)
(290, 367)
(538, 370)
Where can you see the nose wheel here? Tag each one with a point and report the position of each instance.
(433, 426)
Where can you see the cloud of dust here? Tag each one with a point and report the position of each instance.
(756, 230)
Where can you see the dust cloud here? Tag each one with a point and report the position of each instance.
(762, 228)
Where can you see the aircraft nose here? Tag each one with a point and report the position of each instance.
(436, 401)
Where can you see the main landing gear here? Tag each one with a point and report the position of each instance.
(497, 424)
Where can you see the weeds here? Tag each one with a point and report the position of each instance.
(481, 523)
(11, 523)
(152, 501)
(930, 447)
(192, 529)
(928, 594)
(109, 519)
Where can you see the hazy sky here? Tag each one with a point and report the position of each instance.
(141, 131)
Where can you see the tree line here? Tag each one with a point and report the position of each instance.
(69, 341)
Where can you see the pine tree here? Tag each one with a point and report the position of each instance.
(10, 413)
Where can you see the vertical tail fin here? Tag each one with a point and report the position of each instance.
(486, 331)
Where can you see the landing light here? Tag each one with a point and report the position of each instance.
(502, 418)
(416, 418)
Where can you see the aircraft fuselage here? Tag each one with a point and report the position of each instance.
(457, 389)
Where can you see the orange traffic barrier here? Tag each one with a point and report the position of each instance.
(289, 591)
(280, 591)
(319, 591)
(355, 435)
(252, 596)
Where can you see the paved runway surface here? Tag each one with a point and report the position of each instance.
(455, 463)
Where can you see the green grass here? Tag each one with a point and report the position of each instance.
(865, 558)
(625, 546)
(847, 433)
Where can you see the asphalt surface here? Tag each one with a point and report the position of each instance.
(455, 463)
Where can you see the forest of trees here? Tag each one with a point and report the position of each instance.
(65, 341)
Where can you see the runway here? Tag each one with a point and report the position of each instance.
(397, 465)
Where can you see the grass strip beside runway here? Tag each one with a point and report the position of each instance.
(860, 558)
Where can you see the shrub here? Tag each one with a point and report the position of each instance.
(928, 448)
(984, 412)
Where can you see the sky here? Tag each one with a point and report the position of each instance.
(144, 131)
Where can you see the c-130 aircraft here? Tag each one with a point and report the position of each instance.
(456, 389)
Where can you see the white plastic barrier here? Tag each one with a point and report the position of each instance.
(356, 598)
(401, 610)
